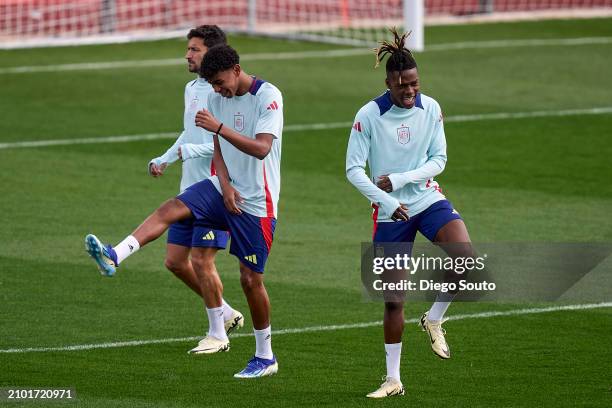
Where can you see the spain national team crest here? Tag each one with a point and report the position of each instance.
(239, 122)
(193, 106)
(403, 134)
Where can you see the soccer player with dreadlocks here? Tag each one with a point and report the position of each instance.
(400, 134)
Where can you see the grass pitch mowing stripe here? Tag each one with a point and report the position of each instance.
(483, 315)
(309, 126)
(503, 362)
(283, 56)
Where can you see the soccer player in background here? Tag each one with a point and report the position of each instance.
(400, 134)
(195, 147)
(246, 115)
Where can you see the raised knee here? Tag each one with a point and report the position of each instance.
(166, 209)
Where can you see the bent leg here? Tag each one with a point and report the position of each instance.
(177, 261)
(209, 283)
(108, 258)
(454, 231)
(454, 239)
(203, 261)
(157, 223)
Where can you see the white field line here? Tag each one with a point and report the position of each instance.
(311, 329)
(468, 45)
(535, 114)
(308, 126)
(89, 140)
(533, 42)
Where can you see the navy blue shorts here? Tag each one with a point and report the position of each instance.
(251, 235)
(428, 223)
(189, 233)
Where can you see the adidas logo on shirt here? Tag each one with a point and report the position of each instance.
(251, 258)
(272, 106)
(357, 126)
(209, 237)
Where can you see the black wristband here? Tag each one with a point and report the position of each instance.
(219, 130)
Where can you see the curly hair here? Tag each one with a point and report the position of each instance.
(218, 58)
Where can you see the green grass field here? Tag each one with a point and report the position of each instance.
(540, 179)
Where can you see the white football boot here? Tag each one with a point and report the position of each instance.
(436, 336)
(390, 387)
(235, 322)
(210, 345)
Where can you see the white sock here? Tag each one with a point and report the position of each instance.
(227, 310)
(263, 343)
(440, 306)
(394, 356)
(216, 327)
(126, 248)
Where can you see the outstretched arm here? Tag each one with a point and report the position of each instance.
(158, 164)
(188, 151)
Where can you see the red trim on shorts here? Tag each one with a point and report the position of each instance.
(269, 205)
(266, 229)
(375, 218)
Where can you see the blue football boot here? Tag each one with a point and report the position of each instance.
(105, 256)
(258, 367)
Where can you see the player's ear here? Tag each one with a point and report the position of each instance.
(387, 83)
(237, 69)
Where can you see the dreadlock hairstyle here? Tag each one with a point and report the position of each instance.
(400, 57)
